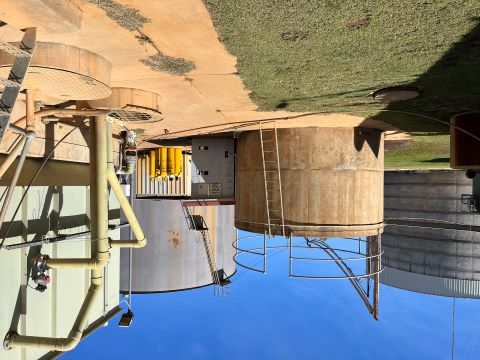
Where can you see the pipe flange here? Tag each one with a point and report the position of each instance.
(7, 341)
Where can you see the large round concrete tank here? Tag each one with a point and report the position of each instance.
(331, 179)
(175, 256)
(430, 245)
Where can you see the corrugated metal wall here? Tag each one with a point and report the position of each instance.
(152, 187)
(51, 210)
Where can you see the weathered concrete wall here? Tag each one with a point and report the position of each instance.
(332, 181)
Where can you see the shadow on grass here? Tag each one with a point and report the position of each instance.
(451, 86)
(438, 160)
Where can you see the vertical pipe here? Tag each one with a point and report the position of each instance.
(152, 164)
(264, 254)
(170, 161)
(15, 177)
(130, 237)
(12, 156)
(99, 195)
(30, 107)
(30, 135)
(101, 185)
(93, 188)
(377, 265)
(290, 260)
(122, 199)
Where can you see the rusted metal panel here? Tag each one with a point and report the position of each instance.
(331, 180)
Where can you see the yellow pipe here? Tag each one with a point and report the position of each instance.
(60, 344)
(178, 162)
(163, 163)
(152, 164)
(103, 321)
(101, 173)
(170, 161)
(99, 230)
(100, 216)
(123, 201)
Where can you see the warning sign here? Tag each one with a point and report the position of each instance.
(215, 189)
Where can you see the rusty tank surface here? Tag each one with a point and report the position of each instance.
(331, 181)
(175, 257)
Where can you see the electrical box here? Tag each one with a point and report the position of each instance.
(213, 169)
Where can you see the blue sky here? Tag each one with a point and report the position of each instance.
(274, 317)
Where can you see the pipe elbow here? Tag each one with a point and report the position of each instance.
(70, 342)
(9, 340)
(102, 260)
(141, 243)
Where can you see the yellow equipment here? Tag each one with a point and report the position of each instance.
(166, 161)
(152, 164)
(178, 162)
(163, 162)
(170, 161)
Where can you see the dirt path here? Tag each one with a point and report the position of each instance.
(211, 97)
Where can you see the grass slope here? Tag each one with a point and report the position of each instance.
(304, 55)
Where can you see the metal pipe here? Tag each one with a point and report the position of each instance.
(130, 237)
(90, 330)
(17, 130)
(376, 279)
(140, 240)
(29, 138)
(30, 113)
(58, 238)
(98, 206)
(99, 229)
(61, 344)
(12, 156)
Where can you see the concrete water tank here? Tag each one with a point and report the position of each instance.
(175, 257)
(430, 245)
(331, 178)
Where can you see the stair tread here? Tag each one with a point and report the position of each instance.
(13, 50)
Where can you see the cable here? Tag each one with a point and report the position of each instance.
(453, 328)
(32, 181)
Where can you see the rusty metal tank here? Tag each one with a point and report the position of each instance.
(175, 258)
(331, 180)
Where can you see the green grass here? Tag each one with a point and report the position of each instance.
(328, 56)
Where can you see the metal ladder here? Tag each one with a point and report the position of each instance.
(210, 256)
(12, 85)
(203, 230)
(272, 177)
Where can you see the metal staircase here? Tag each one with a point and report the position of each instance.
(272, 177)
(12, 85)
(197, 224)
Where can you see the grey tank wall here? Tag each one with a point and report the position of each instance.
(426, 198)
(174, 258)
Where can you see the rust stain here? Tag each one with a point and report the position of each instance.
(174, 238)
